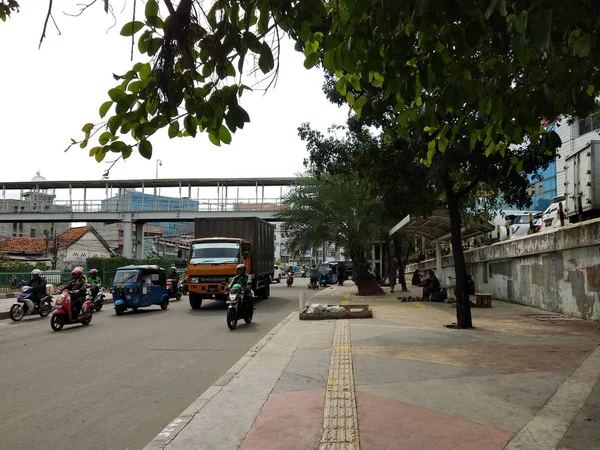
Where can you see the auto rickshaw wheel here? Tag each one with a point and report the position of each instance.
(134, 308)
(119, 310)
(178, 296)
(164, 305)
(195, 301)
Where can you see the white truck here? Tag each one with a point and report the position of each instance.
(582, 183)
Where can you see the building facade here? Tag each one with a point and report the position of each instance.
(37, 200)
(112, 233)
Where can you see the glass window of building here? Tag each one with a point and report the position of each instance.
(589, 124)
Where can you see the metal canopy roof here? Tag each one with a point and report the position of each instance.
(436, 227)
(164, 183)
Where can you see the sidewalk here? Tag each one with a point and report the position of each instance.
(7, 298)
(523, 379)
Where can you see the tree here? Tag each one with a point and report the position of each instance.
(506, 63)
(339, 210)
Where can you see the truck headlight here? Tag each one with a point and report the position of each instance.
(194, 280)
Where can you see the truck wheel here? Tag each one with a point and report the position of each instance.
(195, 301)
(267, 291)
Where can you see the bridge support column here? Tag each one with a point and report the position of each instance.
(139, 240)
(128, 238)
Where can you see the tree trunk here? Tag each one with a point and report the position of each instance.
(362, 278)
(463, 303)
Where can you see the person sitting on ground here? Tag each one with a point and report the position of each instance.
(417, 280)
(432, 286)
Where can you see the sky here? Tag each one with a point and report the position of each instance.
(49, 94)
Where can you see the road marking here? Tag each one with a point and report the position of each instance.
(340, 415)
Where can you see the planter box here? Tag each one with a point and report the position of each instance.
(352, 312)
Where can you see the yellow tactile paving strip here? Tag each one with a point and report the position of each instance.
(340, 415)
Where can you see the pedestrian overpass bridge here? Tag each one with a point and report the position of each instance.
(129, 201)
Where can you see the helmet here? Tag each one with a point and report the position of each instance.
(36, 273)
(93, 272)
(240, 268)
(173, 268)
(77, 272)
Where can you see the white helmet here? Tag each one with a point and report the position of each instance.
(36, 273)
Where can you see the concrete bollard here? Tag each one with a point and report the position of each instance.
(302, 301)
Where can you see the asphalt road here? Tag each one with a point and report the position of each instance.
(118, 382)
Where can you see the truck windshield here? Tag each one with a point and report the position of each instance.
(215, 253)
(126, 276)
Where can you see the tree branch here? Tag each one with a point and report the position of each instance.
(48, 14)
(84, 7)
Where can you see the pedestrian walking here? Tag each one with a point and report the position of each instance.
(392, 269)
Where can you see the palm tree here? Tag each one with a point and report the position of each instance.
(337, 209)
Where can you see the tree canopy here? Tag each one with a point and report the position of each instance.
(494, 67)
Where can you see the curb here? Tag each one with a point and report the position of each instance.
(170, 432)
(4, 315)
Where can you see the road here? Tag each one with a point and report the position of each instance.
(118, 382)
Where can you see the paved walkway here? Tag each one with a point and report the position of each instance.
(522, 379)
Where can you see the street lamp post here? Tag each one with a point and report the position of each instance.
(158, 163)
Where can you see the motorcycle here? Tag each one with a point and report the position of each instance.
(290, 279)
(174, 288)
(238, 308)
(303, 273)
(25, 306)
(62, 313)
(98, 300)
(183, 286)
(314, 284)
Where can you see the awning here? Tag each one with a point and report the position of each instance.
(436, 227)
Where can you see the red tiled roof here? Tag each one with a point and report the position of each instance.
(38, 245)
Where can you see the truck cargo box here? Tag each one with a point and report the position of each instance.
(259, 233)
(582, 181)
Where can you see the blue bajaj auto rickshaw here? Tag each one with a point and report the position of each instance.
(327, 274)
(139, 286)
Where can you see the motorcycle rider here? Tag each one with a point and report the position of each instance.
(76, 288)
(38, 286)
(96, 283)
(173, 274)
(246, 282)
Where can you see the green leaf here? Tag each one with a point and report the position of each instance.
(355, 82)
(174, 129)
(214, 138)
(151, 9)
(145, 149)
(583, 45)
(341, 86)
(590, 90)
(311, 60)
(442, 143)
(265, 60)
(145, 70)
(430, 150)
(94, 150)
(377, 79)
(116, 94)
(190, 125)
(87, 127)
(99, 155)
(105, 137)
(350, 98)
(129, 29)
(519, 167)
(224, 135)
(104, 108)
(521, 22)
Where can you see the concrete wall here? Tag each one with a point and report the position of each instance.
(558, 271)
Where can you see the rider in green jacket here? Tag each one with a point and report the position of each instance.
(246, 282)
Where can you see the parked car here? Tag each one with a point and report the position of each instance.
(550, 218)
(519, 224)
(276, 274)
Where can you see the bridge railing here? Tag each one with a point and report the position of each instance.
(148, 205)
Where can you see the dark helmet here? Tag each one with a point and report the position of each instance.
(241, 268)
(35, 273)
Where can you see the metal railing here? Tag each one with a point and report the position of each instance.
(8, 280)
(147, 205)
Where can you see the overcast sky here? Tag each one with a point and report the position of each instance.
(48, 94)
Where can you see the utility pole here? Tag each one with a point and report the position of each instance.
(55, 251)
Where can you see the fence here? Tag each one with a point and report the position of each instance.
(8, 279)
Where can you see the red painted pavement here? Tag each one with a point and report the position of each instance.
(386, 424)
(288, 421)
